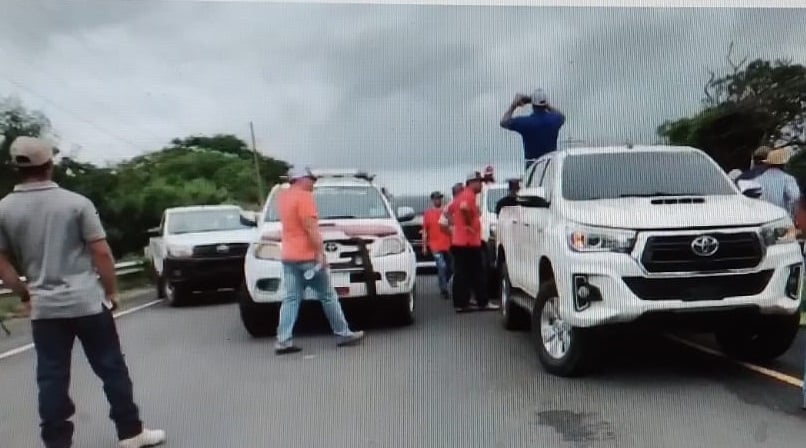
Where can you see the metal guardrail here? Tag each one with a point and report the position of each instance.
(124, 268)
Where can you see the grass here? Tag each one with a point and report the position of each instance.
(9, 304)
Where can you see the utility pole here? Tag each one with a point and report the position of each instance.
(257, 164)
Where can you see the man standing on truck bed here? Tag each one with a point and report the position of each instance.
(304, 264)
(59, 243)
(540, 130)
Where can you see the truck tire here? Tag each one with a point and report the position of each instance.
(259, 320)
(160, 287)
(760, 340)
(514, 317)
(563, 350)
(403, 309)
(176, 296)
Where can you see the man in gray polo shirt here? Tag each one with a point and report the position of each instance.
(56, 239)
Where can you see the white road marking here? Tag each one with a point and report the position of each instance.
(774, 374)
(24, 348)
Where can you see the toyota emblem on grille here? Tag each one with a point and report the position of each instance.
(705, 245)
(222, 249)
(331, 247)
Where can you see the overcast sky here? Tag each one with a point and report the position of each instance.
(375, 86)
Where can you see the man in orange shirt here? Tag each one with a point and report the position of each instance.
(304, 264)
(438, 241)
(467, 248)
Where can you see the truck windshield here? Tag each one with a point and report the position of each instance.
(588, 177)
(493, 196)
(341, 202)
(196, 221)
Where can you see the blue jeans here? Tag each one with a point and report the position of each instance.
(444, 269)
(295, 285)
(53, 342)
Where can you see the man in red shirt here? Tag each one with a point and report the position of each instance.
(438, 241)
(467, 248)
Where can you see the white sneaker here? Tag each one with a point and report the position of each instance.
(149, 437)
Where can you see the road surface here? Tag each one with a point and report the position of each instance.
(447, 381)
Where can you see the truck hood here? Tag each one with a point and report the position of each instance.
(335, 229)
(221, 237)
(643, 214)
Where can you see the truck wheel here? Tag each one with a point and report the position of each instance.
(160, 287)
(260, 320)
(514, 317)
(403, 309)
(760, 340)
(176, 296)
(563, 350)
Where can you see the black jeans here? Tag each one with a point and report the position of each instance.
(53, 341)
(469, 277)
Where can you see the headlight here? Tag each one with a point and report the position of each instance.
(592, 239)
(778, 232)
(389, 246)
(180, 251)
(268, 251)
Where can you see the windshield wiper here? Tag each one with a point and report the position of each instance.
(655, 195)
(340, 217)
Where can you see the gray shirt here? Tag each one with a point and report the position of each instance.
(47, 230)
(779, 188)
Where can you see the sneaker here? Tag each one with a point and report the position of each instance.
(149, 437)
(284, 348)
(355, 338)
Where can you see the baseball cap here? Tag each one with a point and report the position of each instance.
(539, 97)
(300, 173)
(436, 194)
(475, 175)
(28, 152)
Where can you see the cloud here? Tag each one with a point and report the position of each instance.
(389, 88)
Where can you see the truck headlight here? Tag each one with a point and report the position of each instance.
(180, 251)
(392, 245)
(268, 251)
(593, 239)
(778, 232)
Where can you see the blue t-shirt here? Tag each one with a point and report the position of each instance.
(539, 131)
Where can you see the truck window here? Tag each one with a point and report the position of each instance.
(341, 202)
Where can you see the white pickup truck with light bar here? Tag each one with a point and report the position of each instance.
(657, 235)
(370, 261)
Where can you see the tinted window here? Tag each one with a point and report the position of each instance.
(341, 203)
(493, 196)
(608, 176)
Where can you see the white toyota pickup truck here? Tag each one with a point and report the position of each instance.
(657, 235)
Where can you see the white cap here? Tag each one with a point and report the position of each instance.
(539, 97)
(475, 175)
(30, 151)
(300, 173)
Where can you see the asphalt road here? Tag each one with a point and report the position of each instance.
(447, 381)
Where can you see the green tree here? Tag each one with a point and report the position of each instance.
(760, 102)
(15, 121)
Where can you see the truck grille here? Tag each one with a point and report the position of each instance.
(699, 288)
(674, 253)
(221, 250)
(344, 254)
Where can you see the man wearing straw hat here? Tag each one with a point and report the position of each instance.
(777, 186)
(758, 167)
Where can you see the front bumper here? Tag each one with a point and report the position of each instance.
(621, 291)
(389, 276)
(205, 273)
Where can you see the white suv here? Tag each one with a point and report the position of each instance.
(370, 260)
(658, 235)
